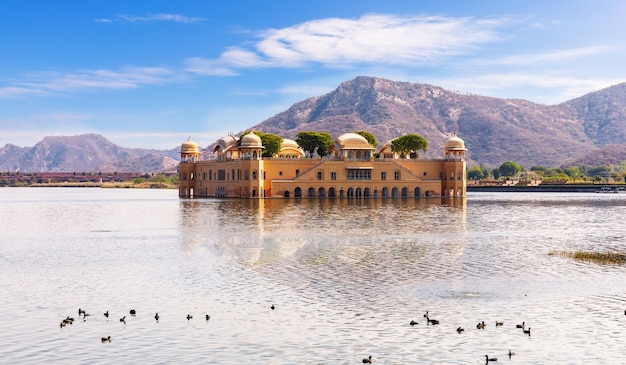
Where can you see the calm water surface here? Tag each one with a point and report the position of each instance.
(346, 278)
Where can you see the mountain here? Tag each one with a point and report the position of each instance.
(87, 152)
(588, 130)
(494, 130)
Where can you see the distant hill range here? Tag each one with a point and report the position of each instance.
(588, 130)
(87, 152)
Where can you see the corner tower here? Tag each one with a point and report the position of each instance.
(453, 181)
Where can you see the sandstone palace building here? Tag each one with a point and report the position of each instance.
(349, 171)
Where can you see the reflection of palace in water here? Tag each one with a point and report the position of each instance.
(313, 232)
(349, 171)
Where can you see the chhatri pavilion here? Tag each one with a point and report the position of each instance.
(351, 170)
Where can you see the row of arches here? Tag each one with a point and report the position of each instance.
(357, 192)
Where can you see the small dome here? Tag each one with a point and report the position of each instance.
(455, 143)
(289, 143)
(251, 140)
(353, 141)
(189, 147)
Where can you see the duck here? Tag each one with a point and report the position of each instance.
(432, 321)
(123, 319)
(460, 329)
(207, 317)
(105, 339)
(70, 319)
(527, 331)
(523, 325)
(499, 323)
(106, 314)
(80, 312)
(133, 312)
(62, 324)
(189, 316)
(413, 323)
(367, 360)
(481, 325)
(273, 307)
(156, 316)
(511, 353)
(487, 358)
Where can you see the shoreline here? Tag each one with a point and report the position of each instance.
(561, 188)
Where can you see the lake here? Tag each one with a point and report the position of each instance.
(346, 277)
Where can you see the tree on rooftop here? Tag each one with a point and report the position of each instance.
(312, 142)
(409, 144)
(271, 142)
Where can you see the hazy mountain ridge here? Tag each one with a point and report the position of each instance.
(588, 130)
(87, 152)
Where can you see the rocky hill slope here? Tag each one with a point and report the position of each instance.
(495, 130)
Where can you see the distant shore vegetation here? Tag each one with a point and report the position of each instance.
(90, 179)
(511, 170)
(603, 258)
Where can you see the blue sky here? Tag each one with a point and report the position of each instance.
(152, 73)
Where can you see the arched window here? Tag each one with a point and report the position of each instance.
(359, 193)
(394, 192)
(418, 193)
(385, 192)
(321, 193)
(366, 192)
(350, 192)
(331, 193)
(311, 193)
(297, 193)
(405, 192)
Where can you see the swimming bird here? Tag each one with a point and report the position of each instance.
(62, 324)
(132, 312)
(527, 331)
(481, 325)
(106, 314)
(487, 358)
(368, 360)
(499, 323)
(460, 329)
(432, 321)
(105, 339)
(156, 316)
(413, 323)
(272, 307)
(189, 316)
(511, 353)
(207, 317)
(523, 325)
(123, 319)
(426, 314)
(68, 318)
(80, 312)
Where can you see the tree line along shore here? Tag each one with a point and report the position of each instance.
(90, 179)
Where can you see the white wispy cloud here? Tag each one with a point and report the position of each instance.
(544, 58)
(370, 39)
(51, 82)
(151, 18)
(558, 87)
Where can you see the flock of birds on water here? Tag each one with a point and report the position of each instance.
(368, 360)
(81, 312)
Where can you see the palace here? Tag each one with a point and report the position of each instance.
(350, 170)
